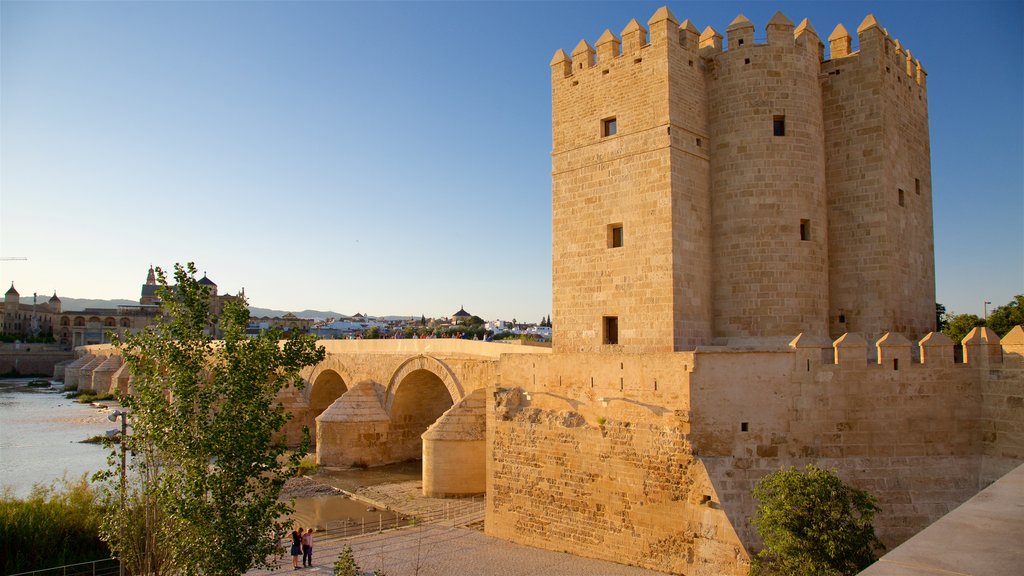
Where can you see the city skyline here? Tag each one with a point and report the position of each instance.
(395, 158)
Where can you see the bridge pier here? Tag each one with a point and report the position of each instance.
(455, 450)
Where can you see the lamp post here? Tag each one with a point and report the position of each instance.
(986, 310)
(123, 415)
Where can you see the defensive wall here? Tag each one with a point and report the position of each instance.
(651, 459)
(31, 359)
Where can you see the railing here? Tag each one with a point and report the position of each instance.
(107, 567)
(460, 512)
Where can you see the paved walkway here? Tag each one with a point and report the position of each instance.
(432, 550)
(982, 537)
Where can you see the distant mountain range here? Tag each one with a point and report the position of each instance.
(77, 304)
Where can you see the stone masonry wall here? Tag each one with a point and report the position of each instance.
(770, 277)
(882, 271)
(588, 453)
(632, 180)
(912, 436)
(31, 363)
(651, 459)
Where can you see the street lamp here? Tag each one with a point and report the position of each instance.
(986, 310)
(123, 415)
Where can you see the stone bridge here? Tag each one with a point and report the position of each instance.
(373, 402)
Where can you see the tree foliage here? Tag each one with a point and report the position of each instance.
(958, 325)
(209, 460)
(813, 524)
(1004, 318)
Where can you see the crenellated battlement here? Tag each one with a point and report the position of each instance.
(982, 348)
(875, 42)
(740, 34)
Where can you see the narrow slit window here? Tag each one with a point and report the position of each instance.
(917, 186)
(615, 235)
(900, 197)
(609, 127)
(779, 125)
(611, 329)
(805, 230)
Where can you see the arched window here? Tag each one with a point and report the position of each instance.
(79, 321)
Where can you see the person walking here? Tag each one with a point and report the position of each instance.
(307, 548)
(296, 548)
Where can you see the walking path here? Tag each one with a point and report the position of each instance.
(433, 550)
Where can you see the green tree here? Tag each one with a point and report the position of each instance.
(209, 457)
(1004, 318)
(346, 565)
(373, 333)
(958, 325)
(813, 524)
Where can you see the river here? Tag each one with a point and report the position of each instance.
(41, 433)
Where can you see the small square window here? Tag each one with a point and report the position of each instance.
(805, 229)
(746, 60)
(779, 125)
(608, 127)
(901, 198)
(610, 329)
(615, 235)
(741, 42)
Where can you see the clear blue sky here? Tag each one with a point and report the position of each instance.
(394, 158)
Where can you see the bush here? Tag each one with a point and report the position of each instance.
(346, 565)
(813, 524)
(54, 526)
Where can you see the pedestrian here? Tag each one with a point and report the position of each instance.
(307, 548)
(296, 548)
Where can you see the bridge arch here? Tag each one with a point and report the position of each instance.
(325, 388)
(419, 392)
(423, 363)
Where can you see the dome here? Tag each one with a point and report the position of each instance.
(462, 313)
(12, 291)
(54, 298)
(206, 281)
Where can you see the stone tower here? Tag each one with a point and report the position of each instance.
(631, 192)
(881, 242)
(745, 193)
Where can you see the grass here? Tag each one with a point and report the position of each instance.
(55, 525)
(100, 439)
(86, 397)
(308, 464)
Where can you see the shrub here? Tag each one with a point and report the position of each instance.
(56, 525)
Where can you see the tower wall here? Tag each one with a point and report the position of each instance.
(645, 179)
(770, 276)
(882, 267)
(694, 222)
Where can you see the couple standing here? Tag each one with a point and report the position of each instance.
(302, 545)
